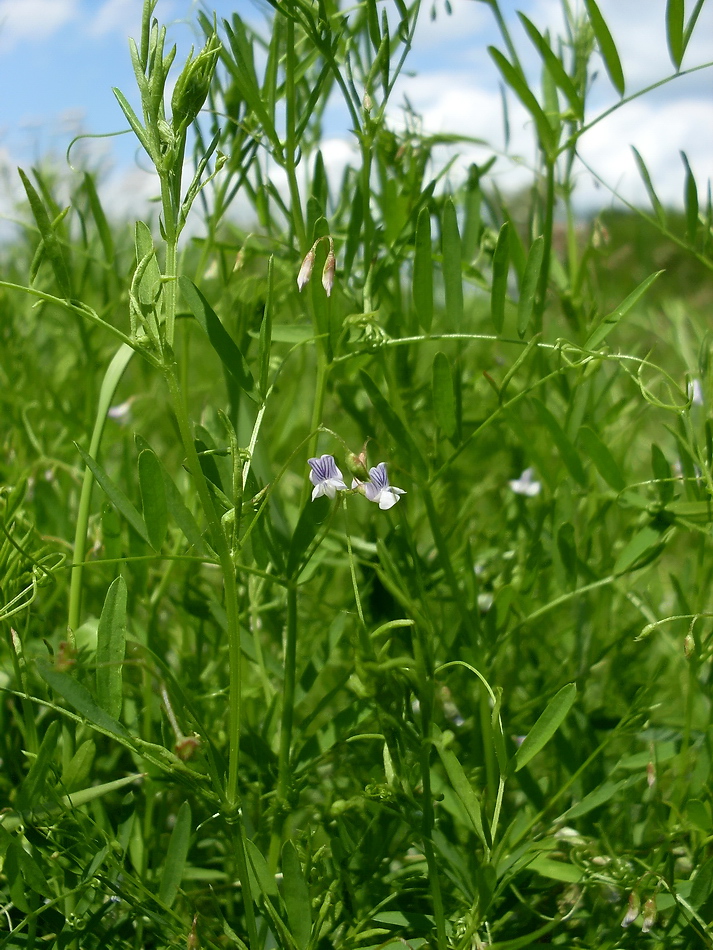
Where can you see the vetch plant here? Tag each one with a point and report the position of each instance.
(238, 712)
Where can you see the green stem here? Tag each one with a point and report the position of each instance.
(424, 660)
(112, 377)
(288, 708)
(541, 298)
(222, 549)
(291, 143)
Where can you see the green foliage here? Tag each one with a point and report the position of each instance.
(478, 715)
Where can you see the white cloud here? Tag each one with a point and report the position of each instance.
(33, 20)
(117, 16)
(688, 126)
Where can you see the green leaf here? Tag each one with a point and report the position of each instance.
(452, 272)
(690, 26)
(607, 324)
(604, 461)
(177, 508)
(595, 799)
(648, 184)
(32, 789)
(261, 880)
(81, 699)
(312, 517)
(607, 48)
(567, 548)
(52, 246)
(501, 261)
(702, 886)
(645, 545)
(674, 31)
(111, 646)
(220, 339)
(662, 474)
(133, 120)
(546, 726)
(528, 285)
(296, 893)
(514, 78)
(176, 856)
(153, 498)
(395, 427)
(105, 235)
(691, 202)
(444, 397)
(566, 450)
(77, 771)
(463, 789)
(423, 271)
(115, 494)
(554, 66)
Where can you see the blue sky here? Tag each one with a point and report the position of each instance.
(60, 58)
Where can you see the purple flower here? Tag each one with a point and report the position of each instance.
(326, 477)
(378, 490)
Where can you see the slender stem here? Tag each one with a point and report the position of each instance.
(291, 143)
(288, 709)
(220, 545)
(108, 389)
(541, 298)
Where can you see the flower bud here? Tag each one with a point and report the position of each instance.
(357, 464)
(306, 269)
(367, 102)
(649, 915)
(328, 272)
(633, 910)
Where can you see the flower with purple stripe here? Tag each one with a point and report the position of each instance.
(326, 477)
(378, 489)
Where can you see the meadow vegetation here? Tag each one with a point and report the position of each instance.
(477, 714)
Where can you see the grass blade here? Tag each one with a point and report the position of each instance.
(111, 646)
(546, 726)
(176, 856)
